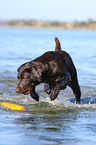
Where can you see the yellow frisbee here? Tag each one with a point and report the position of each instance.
(12, 106)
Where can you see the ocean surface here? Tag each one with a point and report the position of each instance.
(59, 122)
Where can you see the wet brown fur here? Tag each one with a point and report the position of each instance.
(55, 68)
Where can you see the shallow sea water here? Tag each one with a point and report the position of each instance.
(48, 122)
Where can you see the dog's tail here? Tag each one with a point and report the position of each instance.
(58, 45)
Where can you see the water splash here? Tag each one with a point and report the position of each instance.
(45, 104)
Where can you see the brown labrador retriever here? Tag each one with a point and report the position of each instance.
(54, 68)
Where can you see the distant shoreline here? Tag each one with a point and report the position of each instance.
(89, 25)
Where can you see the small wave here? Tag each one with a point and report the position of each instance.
(70, 103)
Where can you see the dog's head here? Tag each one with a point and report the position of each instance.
(29, 75)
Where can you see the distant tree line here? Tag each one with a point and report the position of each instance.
(90, 24)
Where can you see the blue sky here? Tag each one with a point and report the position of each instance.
(54, 10)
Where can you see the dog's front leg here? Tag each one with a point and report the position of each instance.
(34, 95)
(55, 92)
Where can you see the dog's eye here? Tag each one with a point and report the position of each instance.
(26, 81)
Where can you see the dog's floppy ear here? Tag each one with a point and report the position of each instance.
(39, 71)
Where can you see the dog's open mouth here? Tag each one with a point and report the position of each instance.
(27, 92)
